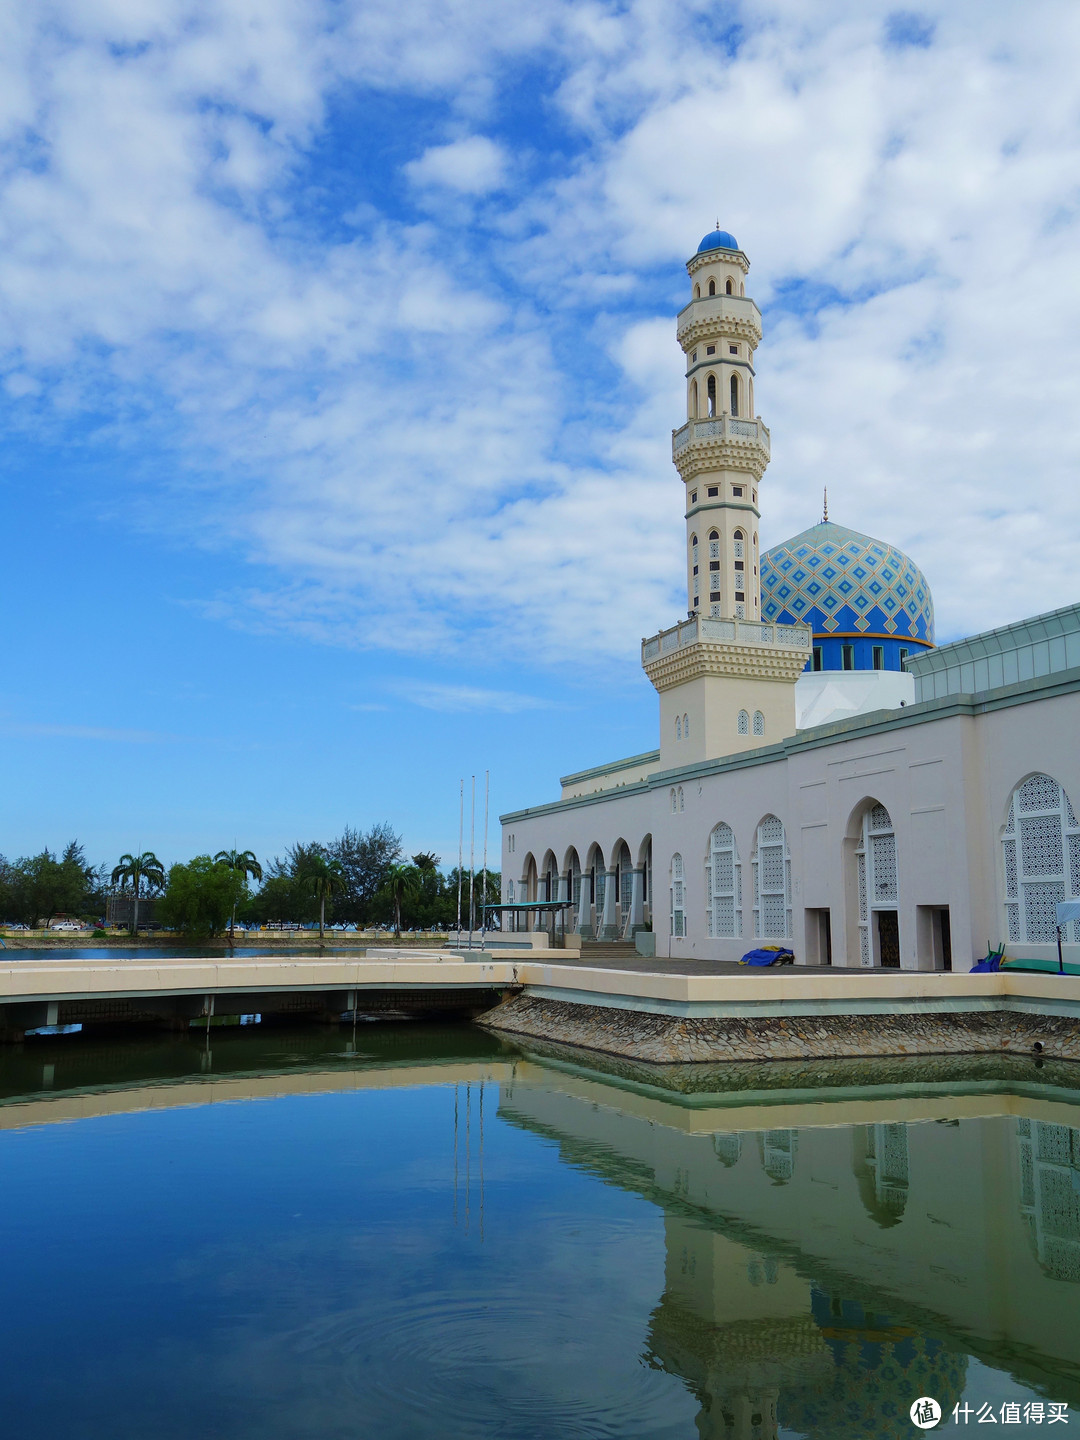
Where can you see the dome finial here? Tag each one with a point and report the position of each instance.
(825, 506)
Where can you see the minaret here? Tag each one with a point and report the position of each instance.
(722, 450)
(726, 681)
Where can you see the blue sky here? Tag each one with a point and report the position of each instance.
(337, 374)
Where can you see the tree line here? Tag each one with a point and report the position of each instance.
(361, 877)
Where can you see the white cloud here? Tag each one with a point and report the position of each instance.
(473, 166)
(440, 434)
(455, 699)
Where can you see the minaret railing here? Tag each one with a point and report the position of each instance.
(742, 632)
(720, 427)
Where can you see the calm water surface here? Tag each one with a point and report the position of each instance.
(443, 1235)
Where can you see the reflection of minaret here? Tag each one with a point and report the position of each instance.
(1050, 1195)
(738, 1327)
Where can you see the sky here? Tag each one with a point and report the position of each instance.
(338, 371)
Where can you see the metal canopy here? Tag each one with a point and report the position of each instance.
(530, 905)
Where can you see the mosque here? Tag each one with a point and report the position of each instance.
(827, 778)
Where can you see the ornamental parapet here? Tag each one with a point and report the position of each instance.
(708, 645)
(732, 314)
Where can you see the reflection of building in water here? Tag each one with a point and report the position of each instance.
(820, 1278)
(1050, 1195)
(881, 1168)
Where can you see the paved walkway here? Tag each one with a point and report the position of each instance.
(661, 965)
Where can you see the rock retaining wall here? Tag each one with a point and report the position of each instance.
(671, 1040)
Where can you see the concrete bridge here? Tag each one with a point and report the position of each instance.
(173, 993)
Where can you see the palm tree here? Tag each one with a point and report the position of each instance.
(324, 878)
(245, 864)
(403, 880)
(138, 868)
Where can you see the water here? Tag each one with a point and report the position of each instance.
(445, 1235)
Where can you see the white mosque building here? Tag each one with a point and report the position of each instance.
(826, 777)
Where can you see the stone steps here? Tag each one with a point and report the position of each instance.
(608, 949)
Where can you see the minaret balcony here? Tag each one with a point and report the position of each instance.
(722, 433)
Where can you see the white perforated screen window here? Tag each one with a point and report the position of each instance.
(1040, 851)
(722, 875)
(772, 880)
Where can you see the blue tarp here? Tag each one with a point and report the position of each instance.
(768, 957)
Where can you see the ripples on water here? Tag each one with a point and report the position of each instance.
(446, 1236)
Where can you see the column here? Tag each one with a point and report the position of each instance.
(521, 919)
(585, 905)
(609, 929)
(637, 898)
(563, 896)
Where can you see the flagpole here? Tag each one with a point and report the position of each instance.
(472, 859)
(460, 854)
(483, 880)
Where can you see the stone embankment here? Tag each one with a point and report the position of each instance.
(670, 1040)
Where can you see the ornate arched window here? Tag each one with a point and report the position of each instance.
(710, 389)
(714, 544)
(510, 892)
(759, 723)
(723, 883)
(693, 399)
(744, 723)
(697, 292)
(678, 727)
(678, 898)
(686, 727)
(772, 881)
(712, 287)
(1041, 852)
(734, 389)
(674, 800)
(728, 287)
(878, 880)
(738, 545)
(682, 799)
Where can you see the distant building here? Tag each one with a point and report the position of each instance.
(119, 910)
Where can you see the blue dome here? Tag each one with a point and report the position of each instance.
(852, 591)
(718, 240)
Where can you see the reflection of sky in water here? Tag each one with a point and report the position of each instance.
(585, 1263)
(293, 1269)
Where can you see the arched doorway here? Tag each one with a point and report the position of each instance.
(878, 883)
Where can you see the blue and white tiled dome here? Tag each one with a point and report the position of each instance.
(853, 591)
